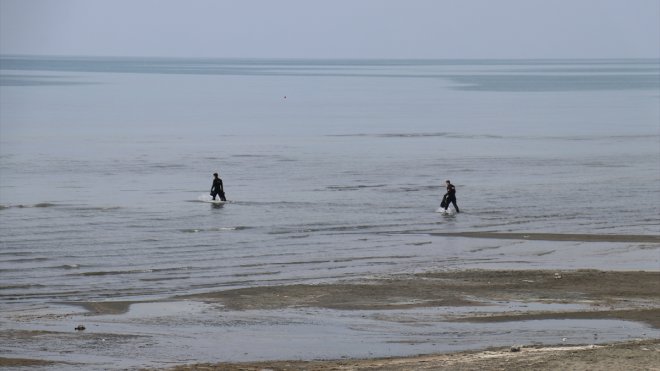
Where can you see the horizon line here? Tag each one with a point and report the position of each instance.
(10, 55)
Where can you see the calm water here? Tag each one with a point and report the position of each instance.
(333, 168)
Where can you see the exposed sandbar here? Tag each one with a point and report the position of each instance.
(634, 355)
(633, 296)
(104, 307)
(622, 295)
(630, 292)
(24, 362)
(635, 238)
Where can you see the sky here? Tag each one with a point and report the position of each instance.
(333, 28)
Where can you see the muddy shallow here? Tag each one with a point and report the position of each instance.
(634, 355)
(396, 315)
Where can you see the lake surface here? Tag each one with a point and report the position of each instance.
(333, 168)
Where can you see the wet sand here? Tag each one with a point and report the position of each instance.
(582, 294)
(630, 296)
(636, 355)
(611, 290)
(24, 362)
(637, 238)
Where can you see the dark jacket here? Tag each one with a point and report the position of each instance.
(451, 190)
(217, 186)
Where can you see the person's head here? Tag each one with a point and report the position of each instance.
(215, 175)
(447, 181)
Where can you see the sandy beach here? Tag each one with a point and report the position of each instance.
(627, 295)
(631, 296)
(636, 238)
(636, 355)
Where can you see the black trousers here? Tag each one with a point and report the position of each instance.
(221, 194)
(451, 200)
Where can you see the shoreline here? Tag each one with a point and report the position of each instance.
(628, 355)
(632, 355)
(578, 237)
(622, 295)
(616, 291)
(402, 301)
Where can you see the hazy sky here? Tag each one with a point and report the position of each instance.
(333, 28)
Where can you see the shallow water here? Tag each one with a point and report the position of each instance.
(163, 334)
(333, 169)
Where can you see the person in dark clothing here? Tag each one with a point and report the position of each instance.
(450, 197)
(217, 189)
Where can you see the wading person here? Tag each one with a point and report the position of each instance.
(450, 197)
(217, 189)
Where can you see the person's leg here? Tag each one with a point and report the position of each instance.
(453, 201)
(222, 196)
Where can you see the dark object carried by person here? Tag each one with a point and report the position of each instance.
(444, 202)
